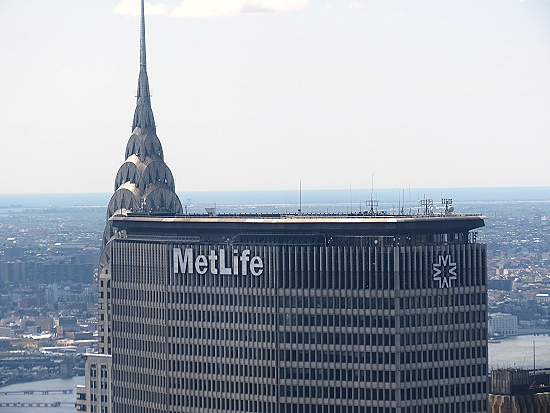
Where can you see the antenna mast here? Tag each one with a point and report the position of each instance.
(143, 59)
(372, 205)
(534, 367)
(300, 209)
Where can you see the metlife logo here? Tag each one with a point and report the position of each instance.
(216, 262)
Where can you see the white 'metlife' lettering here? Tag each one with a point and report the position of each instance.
(215, 263)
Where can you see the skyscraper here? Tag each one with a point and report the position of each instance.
(143, 184)
(286, 313)
(294, 314)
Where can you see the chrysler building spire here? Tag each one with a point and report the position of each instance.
(144, 184)
(142, 57)
(143, 115)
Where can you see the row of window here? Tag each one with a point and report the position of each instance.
(150, 258)
(219, 316)
(216, 369)
(447, 318)
(448, 354)
(138, 309)
(130, 362)
(341, 355)
(342, 302)
(127, 394)
(445, 391)
(228, 387)
(441, 337)
(195, 404)
(471, 406)
(138, 329)
(360, 320)
(194, 299)
(424, 374)
(305, 321)
(448, 300)
(365, 377)
(217, 331)
(338, 393)
(303, 340)
(337, 338)
(232, 352)
(196, 296)
(308, 298)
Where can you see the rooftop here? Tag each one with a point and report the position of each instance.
(346, 224)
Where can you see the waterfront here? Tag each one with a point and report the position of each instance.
(517, 352)
(511, 352)
(67, 400)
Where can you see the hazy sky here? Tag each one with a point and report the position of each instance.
(258, 94)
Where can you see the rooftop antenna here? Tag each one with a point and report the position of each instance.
(427, 205)
(371, 185)
(300, 209)
(448, 204)
(350, 201)
(534, 384)
(398, 202)
(372, 204)
(410, 200)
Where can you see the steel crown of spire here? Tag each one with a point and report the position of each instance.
(143, 115)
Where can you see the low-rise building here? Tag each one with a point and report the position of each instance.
(503, 324)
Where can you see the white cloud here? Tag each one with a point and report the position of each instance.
(356, 4)
(133, 8)
(224, 8)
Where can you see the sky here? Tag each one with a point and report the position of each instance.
(263, 94)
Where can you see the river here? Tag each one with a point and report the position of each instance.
(511, 352)
(517, 352)
(67, 400)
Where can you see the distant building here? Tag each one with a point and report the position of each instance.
(519, 391)
(6, 332)
(95, 395)
(52, 293)
(503, 325)
(503, 285)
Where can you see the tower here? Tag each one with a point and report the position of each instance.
(299, 314)
(143, 185)
(284, 313)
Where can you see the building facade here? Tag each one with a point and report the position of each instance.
(281, 313)
(95, 396)
(519, 391)
(299, 314)
(502, 325)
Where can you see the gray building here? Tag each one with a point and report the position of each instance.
(281, 313)
(303, 314)
(143, 184)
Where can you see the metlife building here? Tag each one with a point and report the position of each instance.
(298, 314)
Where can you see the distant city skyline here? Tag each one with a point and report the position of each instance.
(259, 94)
